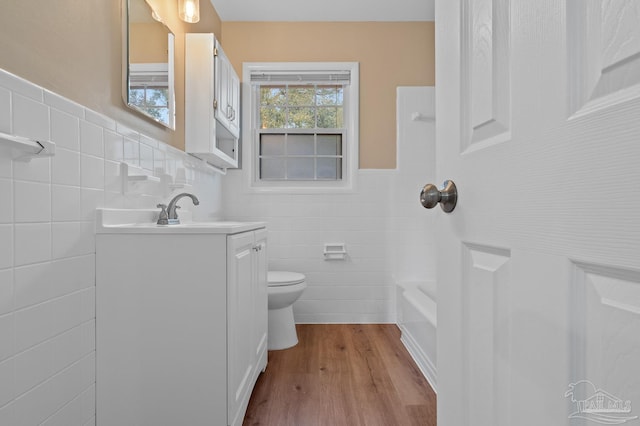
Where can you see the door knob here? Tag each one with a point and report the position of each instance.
(447, 196)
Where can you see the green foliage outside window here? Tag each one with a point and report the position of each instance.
(301, 107)
(152, 100)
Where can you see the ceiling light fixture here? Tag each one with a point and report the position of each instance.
(189, 10)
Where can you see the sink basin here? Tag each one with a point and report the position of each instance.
(143, 221)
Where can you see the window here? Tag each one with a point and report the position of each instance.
(149, 90)
(303, 125)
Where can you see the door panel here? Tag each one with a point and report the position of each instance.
(486, 328)
(604, 53)
(605, 312)
(538, 107)
(486, 89)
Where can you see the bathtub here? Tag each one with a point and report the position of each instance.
(417, 319)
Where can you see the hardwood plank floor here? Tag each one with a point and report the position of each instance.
(342, 374)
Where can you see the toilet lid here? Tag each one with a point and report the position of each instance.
(277, 278)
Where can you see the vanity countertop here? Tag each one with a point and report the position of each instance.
(143, 221)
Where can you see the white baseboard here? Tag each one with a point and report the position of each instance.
(423, 362)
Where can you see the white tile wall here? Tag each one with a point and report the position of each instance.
(113, 146)
(6, 293)
(47, 246)
(91, 139)
(65, 130)
(6, 189)
(65, 203)
(413, 226)
(5, 111)
(6, 246)
(30, 117)
(356, 290)
(32, 243)
(66, 167)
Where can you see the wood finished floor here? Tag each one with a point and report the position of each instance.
(342, 374)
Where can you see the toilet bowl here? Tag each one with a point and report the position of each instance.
(284, 289)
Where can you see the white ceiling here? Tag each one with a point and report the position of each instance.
(325, 10)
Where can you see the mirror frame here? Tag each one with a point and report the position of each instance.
(126, 70)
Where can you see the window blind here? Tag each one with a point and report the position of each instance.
(338, 77)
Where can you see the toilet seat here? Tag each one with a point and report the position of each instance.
(283, 278)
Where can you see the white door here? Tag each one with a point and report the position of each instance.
(538, 124)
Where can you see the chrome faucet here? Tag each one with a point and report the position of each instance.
(171, 209)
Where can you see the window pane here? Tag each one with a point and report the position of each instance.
(340, 118)
(300, 168)
(136, 96)
(273, 95)
(327, 118)
(272, 168)
(271, 144)
(329, 144)
(157, 97)
(340, 96)
(329, 168)
(326, 95)
(272, 117)
(301, 118)
(163, 115)
(300, 144)
(302, 95)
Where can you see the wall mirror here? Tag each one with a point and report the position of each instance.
(148, 63)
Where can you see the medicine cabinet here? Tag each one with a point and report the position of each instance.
(212, 102)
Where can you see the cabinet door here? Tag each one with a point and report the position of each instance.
(200, 91)
(260, 298)
(240, 316)
(234, 98)
(223, 103)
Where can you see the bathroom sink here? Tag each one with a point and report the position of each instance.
(143, 221)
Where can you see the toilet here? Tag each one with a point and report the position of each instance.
(284, 289)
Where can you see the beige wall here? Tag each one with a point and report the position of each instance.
(74, 48)
(148, 43)
(390, 54)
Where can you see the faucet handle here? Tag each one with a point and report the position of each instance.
(163, 218)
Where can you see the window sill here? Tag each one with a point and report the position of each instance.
(306, 190)
(252, 187)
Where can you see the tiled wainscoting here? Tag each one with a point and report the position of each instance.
(355, 290)
(47, 250)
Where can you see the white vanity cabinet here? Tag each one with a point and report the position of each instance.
(181, 318)
(212, 102)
